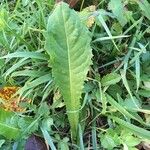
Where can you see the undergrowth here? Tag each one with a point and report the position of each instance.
(113, 110)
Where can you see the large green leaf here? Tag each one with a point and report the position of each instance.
(7, 129)
(68, 44)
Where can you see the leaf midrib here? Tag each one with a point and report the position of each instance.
(68, 48)
(8, 126)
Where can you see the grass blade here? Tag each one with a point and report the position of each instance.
(135, 129)
(48, 139)
(100, 18)
(81, 138)
(34, 55)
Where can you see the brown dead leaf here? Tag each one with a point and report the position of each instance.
(11, 102)
(145, 145)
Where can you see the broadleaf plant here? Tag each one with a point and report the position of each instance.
(68, 44)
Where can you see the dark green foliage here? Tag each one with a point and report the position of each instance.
(114, 104)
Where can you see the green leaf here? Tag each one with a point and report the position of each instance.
(43, 109)
(135, 129)
(64, 144)
(32, 55)
(34, 83)
(125, 82)
(3, 19)
(144, 93)
(94, 136)
(28, 73)
(68, 44)
(110, 79)
(108, 142)
(131, 140)
(118, 10)
(81, 138)
(48, 138)
(2, 63)
(113, 90)
(47, 123)
(2, 142)
(25, 2)
(144, 6)
(102, 21)
(16, 66)
(130, 105)
(8, 130)
(137, 71)
(147, 85)
(121, 109)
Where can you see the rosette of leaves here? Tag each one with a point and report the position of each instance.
(68, 45)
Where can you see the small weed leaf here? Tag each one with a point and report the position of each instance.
(7, 129)
(110, 79)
